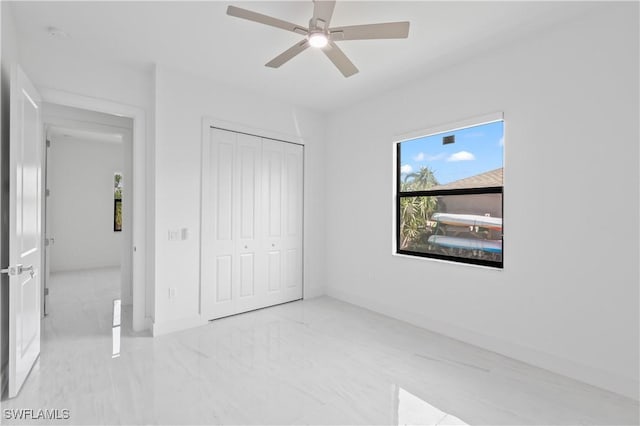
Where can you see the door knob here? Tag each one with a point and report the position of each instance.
(17, 270)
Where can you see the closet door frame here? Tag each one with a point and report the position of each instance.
(208, 125)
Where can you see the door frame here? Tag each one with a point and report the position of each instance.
(141, 318)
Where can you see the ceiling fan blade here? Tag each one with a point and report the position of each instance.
(288, 54)
(323, 10)
(371, 31)
(264, 19)
(339, 59)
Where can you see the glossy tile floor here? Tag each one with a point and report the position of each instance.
(318, 361)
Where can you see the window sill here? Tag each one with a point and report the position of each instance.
(451, 262)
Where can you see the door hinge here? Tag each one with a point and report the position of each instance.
(46, 242)
(46, 291)
(48, 143)
(47, 192)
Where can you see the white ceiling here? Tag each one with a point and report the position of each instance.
(199, 38)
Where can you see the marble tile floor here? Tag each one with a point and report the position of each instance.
(318, 361)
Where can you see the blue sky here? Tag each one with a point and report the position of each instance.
(476, 150)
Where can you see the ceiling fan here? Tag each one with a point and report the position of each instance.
(321, 36)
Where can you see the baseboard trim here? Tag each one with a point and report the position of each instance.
(622, 386)
(167, 327)
(148, 323)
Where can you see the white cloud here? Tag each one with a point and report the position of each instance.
(461, 156)
(421, 156)
(436, 157)
(406, 169)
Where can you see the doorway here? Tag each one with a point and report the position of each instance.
(88, 219)
(142, 225)
(27, 134)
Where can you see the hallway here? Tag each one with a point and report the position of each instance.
(79, 306)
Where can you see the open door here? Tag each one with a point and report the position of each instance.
(24, 229)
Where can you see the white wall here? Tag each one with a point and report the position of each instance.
(567, 299)
(88, 77)
(181, 103)
(80, 178)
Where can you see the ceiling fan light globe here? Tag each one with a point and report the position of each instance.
(318, 40)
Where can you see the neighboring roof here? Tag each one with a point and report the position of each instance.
(483, 180)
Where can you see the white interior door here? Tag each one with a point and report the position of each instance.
(251, 223)
(247, 284)
(293, 222)
(25, 233)
(273, 215)
(218, 247)
(282, 215)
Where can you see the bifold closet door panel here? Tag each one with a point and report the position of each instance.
(282, 208)
(248, 288)
(272, 212)
(231, 260)
(293, 221)
(218, 236)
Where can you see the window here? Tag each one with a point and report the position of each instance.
(117, 202)
(449, 195)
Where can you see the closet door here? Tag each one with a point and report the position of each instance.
(218, 225)
(273, 218)
(282, 209)
(293, 221)
(251, 223)
(231, 225)
(248, 289)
